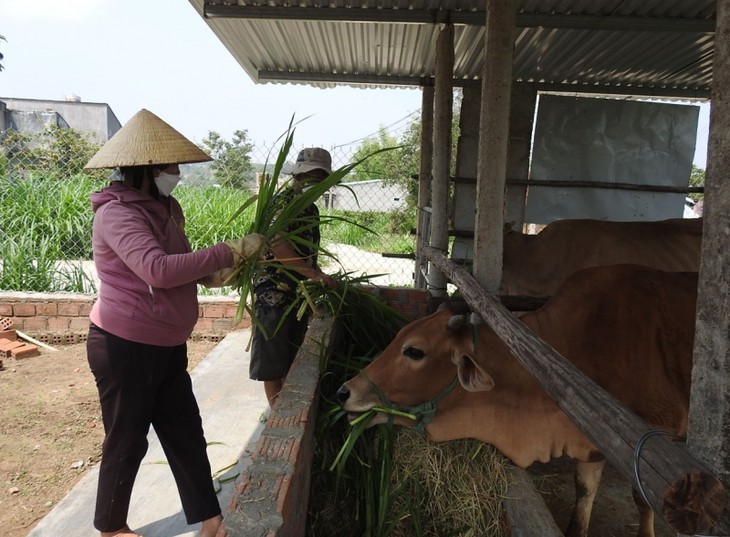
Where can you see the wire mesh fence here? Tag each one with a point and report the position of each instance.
(46, 217)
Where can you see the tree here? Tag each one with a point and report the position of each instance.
(381, 166)
(697, 178)
(400, 165)
(56, 152)
(2, 38)
(232, 160)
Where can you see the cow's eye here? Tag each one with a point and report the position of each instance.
(414, 353)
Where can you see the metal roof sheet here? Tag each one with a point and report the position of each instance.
(646, 47)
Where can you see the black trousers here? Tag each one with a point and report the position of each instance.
(141, 385)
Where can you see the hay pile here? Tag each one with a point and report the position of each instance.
(446, 489)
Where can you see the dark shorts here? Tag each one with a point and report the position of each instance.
(272, 357)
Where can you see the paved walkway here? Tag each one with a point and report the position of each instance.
(230, 405)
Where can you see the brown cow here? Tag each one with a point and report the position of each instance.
(629, 328)
(536, 265)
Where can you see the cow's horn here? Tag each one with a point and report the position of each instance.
(456, 322)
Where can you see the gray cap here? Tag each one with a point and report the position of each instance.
(311, 158)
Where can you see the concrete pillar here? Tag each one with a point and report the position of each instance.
(493, 142)
(424, 184)
(709, 420)
(443, 102)
(3, 121)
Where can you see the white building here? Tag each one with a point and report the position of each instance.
(370, 195)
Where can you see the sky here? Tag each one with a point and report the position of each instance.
(161, 55)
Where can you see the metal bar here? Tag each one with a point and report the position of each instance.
(425, 81)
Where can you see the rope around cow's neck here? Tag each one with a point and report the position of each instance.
(422, 413)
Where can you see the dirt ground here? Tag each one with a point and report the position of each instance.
(50, 431)
(614, 512)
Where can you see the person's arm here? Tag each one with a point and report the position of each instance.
(286, 254)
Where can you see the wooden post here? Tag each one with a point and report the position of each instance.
(709, 412)
(424, 184)
(680, 489)
(443, 101)
(493, 141)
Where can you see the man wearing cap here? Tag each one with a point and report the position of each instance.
(275, 342)
(146, 309)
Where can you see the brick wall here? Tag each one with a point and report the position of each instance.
(59, 318)
(272, 495)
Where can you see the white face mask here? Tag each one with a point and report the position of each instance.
(166, 182)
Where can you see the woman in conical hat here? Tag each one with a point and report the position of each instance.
(146, 309)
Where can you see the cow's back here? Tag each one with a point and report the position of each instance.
(538, 264)
(631, 329)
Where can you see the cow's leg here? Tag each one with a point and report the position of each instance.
(646, 516)
(587, 478)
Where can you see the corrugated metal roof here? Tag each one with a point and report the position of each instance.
(647, 47)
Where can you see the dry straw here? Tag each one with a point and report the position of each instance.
(452, 488)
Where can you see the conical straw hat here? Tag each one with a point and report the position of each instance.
(146, 140)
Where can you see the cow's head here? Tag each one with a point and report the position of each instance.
(420, 366)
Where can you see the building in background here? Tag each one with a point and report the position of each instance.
(371, 195)
(31, 116)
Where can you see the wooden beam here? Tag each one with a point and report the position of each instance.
(527, 514)
(678, 487)
(456, 17)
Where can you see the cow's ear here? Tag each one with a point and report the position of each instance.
(472, 377)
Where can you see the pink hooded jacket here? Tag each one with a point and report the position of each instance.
(148, 274)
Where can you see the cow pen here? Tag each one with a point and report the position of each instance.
(679, 488)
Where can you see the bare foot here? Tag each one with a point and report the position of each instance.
(211, 526)
(121, 532)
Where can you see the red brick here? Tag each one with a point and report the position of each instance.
(11, 335)
(58, 323)
(78, 324)
(26, 350)
(47, 308)
(85, 309)
(35, 324)
(22, 309)
(204, 325)
(6, 346)
(68, 309)
(221, 325)
(231, 310)
(213, 311)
